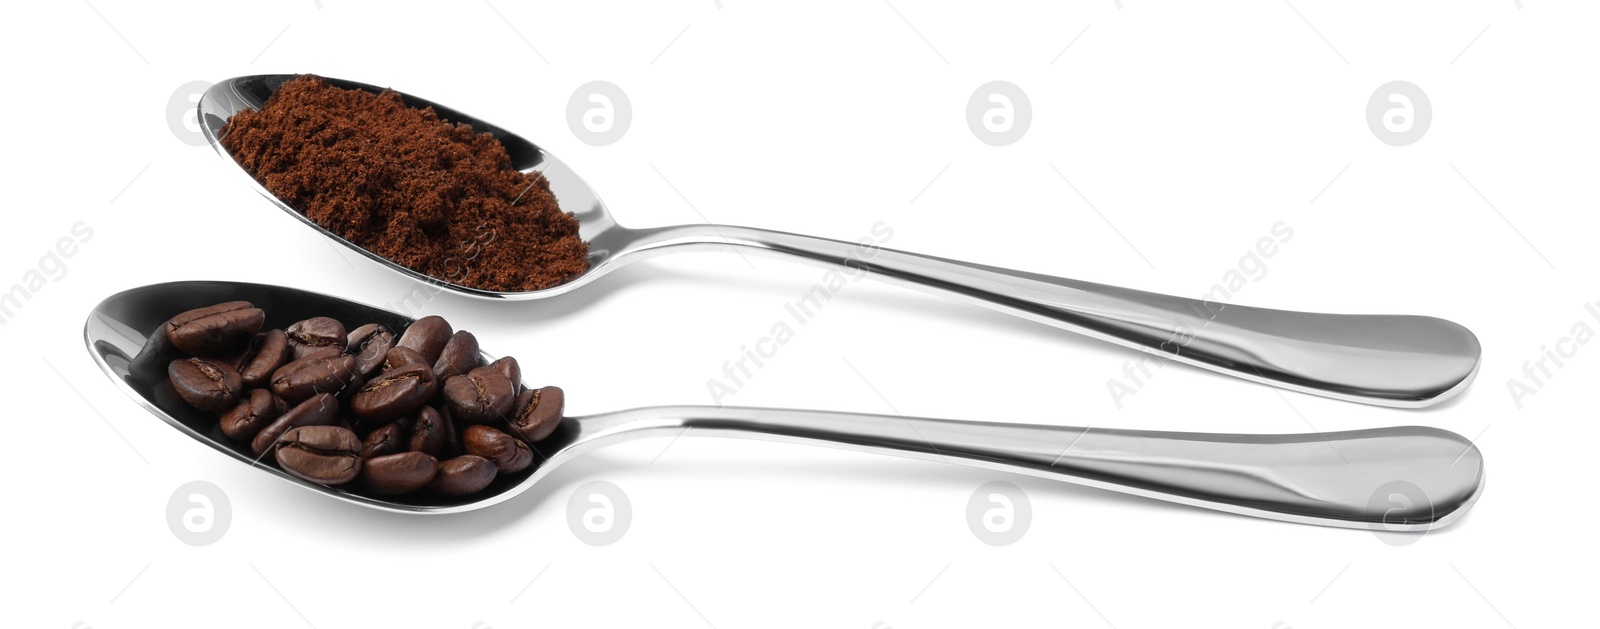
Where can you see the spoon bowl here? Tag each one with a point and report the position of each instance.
(1345, 479)
(122, 334)
(605, 237)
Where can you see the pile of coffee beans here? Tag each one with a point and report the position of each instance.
(380, 414)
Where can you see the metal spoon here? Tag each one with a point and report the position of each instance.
(1340, 479)
(1388, 360)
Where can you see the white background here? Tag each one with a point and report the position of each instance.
(1192, 130)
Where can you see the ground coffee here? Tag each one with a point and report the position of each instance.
(432, 196)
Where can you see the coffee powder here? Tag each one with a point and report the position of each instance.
(433, 196)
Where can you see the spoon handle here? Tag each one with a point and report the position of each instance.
(1388, 360)
(1391, 479)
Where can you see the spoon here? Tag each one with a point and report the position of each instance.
(1343, 479)
(1387, 360)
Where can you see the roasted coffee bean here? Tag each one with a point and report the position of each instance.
(369, 344)
(196, 314)
(480, 397)
(538, 412)
(428, 336)
(452, 433)
(205, 383)
(326, 371)
(508, 453)
(321, 410)
(428, 432)
(321, 454)
(264, 354)
(394, 394)
(251, 414)
(398, 473)
(463, 475)
(214, 330)
(387, 439)
(459, 356)
(402, 356)
(508, 367)
(316, 334)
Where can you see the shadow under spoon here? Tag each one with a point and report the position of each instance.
(1345, 479)
(1388, 360)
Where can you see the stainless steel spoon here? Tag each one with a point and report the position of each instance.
(1388, 360)
(1340, 479)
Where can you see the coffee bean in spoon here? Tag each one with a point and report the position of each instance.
(370, 344)
(428, 336)
(394, 394)
(402, 356)
(316, 334)
(537, 412)
(326, 371)
(464, 475)
(398, 473)
(320, 410)
(257, 409)
(205, 383)
(384, 440)
(195, 314)
(214, 330)
(508, 367)
(459, 356)
(509, 454)
(321, 454)
(452, 432)
(429, 432)
(262, 355)
(480, 397)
